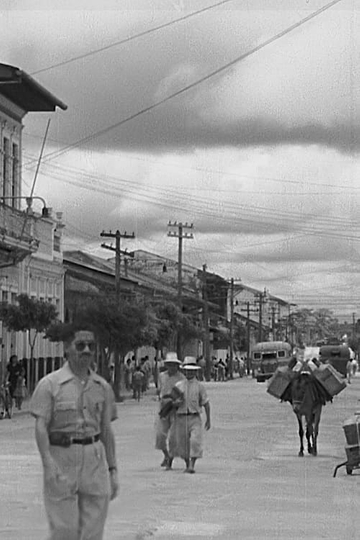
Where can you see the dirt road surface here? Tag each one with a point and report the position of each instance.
(250, 484)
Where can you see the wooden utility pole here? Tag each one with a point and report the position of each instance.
(206, 327)
(231, 358)
(260, 301)
(117, 235)
(248, 311)
(273, 322)
(181, 235)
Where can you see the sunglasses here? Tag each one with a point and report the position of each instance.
(81, 345)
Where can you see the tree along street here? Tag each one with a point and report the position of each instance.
(250, 484)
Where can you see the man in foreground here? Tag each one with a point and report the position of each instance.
(73, 408)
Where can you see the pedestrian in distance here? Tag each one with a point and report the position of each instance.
(128, 374)
(20, 392)
(14, 370)
(188, 425)
(73, 409)
(138, 383)
(165, 423)
(221, 370)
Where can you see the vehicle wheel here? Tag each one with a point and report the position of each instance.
(349, 469)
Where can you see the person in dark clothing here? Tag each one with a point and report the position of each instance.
(14, 370)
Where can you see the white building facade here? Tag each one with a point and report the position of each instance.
(30, 243)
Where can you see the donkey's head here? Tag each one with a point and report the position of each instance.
(299, 387)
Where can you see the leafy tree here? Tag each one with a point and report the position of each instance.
(174, 326)
(118, 329)
(29, 314)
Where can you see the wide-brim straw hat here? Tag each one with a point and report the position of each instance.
(171, 358)
(190, 363)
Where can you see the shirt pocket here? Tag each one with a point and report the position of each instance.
(94, 410)
(65, 414)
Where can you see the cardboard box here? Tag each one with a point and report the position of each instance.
(331, 379)
(279, 382)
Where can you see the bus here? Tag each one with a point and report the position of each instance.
(335, 355)
(267, 356)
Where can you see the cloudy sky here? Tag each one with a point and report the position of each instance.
(216, 117)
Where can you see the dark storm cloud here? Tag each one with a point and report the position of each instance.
(243, 107)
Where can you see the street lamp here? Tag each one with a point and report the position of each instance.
(29, 200)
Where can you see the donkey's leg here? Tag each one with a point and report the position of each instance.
(317, 416)
(301, 434)
(309, 435)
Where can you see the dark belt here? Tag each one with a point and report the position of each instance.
(65, 440)
(189, 414)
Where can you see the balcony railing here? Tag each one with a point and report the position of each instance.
(16, 236)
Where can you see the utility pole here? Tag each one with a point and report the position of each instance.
(353, 326)
(231, 358)
(273, 319)
(117, 235)
(206, 328)
(260, 301)
(248, 311)
(181, 235)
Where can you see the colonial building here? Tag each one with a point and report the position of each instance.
(30, 242)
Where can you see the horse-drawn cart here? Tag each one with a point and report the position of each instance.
(351, 429)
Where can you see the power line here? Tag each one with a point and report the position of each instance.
(116, 182)
(131, 38)
(198, 210)
(222, 173)
(249, 216)
(190, 86)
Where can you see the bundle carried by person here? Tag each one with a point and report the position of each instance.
(170, 402)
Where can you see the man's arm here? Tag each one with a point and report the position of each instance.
(207, 412)
(108, 439)
(41, 407)
(51, 468)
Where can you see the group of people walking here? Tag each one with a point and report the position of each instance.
(182, 396)
(137, 376)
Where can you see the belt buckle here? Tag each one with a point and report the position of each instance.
(66, 440)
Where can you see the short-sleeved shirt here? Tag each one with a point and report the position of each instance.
(69, 406)
(195, 396)
(167, 382)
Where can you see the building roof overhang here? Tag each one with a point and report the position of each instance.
(21, 89)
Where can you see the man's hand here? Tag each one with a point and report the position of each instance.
(114, 484)
(52, 471)
(207, 424)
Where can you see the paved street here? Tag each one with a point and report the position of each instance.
(250, 484)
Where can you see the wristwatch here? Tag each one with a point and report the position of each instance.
(111, 469)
